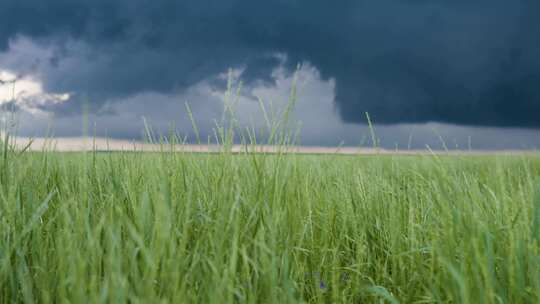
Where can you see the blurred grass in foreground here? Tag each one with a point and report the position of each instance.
(181, 227)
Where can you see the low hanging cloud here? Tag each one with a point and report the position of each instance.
(459, 62)
(315, 115)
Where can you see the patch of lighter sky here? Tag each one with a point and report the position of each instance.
(27, 92)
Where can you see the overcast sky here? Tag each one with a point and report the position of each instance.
(463, 72)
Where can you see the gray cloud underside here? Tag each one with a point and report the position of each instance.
(460, 62)
(315, 112)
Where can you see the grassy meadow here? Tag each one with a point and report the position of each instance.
(179, 227)
(268, 228)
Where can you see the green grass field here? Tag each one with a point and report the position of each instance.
(226, 228)
(175, 227)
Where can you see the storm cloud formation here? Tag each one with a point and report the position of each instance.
(403, 61)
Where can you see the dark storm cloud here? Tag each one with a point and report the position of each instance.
(463, 62)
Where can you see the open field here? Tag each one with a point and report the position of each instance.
(259, 228)
(81, 144)
(269, 152)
